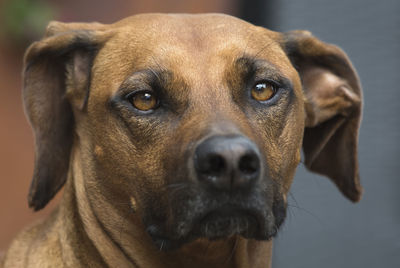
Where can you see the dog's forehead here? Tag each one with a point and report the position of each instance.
(184, 25)
(197, 47)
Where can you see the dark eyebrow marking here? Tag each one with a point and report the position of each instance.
(245, 64)
(252, 68)
(150, 76)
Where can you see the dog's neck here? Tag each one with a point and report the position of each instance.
(93, 244)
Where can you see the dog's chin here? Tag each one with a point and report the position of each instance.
(220, 224)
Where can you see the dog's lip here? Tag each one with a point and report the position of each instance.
(228, 211)
(224, 217)
(246, 221)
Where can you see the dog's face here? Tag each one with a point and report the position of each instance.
(210, 128)
(193, 123)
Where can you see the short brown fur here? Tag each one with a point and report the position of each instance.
(118, 165)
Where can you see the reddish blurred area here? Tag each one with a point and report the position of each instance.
(16, 139)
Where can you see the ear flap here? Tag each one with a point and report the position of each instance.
(333, 102)
(60, 61)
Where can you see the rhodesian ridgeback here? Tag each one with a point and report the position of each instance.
(176, 138)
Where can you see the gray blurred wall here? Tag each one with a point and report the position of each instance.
(324, 229)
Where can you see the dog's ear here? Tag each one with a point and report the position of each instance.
(333, 101)
(56, 78)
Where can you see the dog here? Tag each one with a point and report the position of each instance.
(177, 138)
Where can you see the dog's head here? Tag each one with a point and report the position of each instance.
(194, 121)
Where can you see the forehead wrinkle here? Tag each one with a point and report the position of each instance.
(204, 73)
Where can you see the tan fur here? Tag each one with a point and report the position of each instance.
(116, 162)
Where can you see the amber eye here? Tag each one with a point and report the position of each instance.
(263, 91)
(143, 101)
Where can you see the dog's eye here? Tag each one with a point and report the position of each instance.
(143, 100)
(263, 91)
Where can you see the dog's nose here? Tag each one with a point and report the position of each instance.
(227, 162)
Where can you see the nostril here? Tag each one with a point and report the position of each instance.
(217, 164)
(249, 164)
(213, 165)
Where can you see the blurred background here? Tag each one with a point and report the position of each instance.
(323, 229)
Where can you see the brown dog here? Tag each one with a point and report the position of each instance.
(178, 137)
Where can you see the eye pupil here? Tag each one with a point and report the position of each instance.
(263, 91)
(144, 101)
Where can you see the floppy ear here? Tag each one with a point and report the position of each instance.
(333, 102)
(56, 76)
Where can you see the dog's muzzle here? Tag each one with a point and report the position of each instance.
(231, 194)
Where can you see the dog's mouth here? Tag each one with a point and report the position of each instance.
(222, 222)
(227, 221)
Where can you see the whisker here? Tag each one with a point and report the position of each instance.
(206, 249)
(309, 213)
(155, 74)
(232, 251)
(162, 245)
(294, 199)
(172, 185)
(206, 229)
